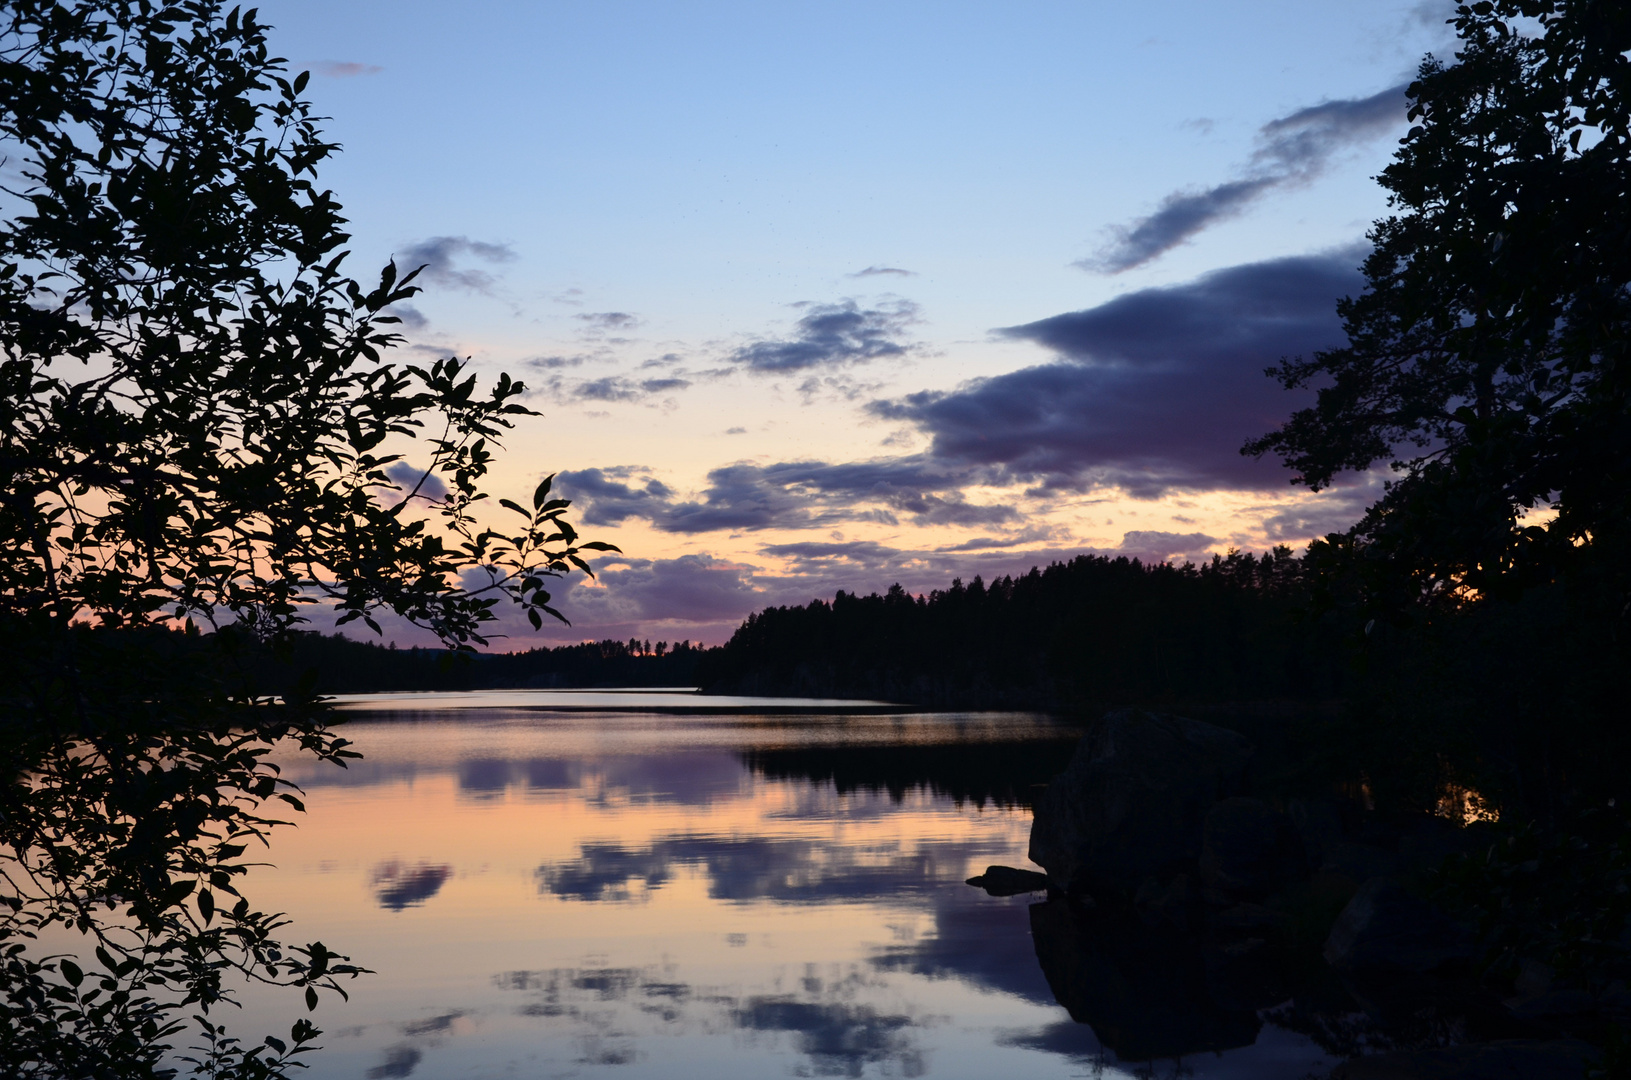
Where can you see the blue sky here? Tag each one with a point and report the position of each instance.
(832, 295)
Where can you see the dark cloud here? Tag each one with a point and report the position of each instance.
(1155, 390)
(830, 335)
(801, 495)
(1180, 216)
(1291, 150)
(618, 388)
(881, 271)
(1332, 510)
(346, 69)
(861, 553)
(608, 320)
(609, 496)
(407, 478)
(411, 317)
(440, 255)
(1155, 547)
(997, 543)
(551, 363)
(696, 588)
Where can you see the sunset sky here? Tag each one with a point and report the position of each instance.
(821, 296)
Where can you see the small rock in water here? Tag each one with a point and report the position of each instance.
(1008, 881)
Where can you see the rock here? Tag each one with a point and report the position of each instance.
(1008, 881)
(1432, 840)
(1553, 1004)
(1386, 931)
(1248, 917)
(1249, 849)
(1319, 825)
(1132, 802)
(1361, 862)
(1168, 903)
(1507, 1059)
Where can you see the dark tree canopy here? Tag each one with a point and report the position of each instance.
(1487, 357)
(197, 412)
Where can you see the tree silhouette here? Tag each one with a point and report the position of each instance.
(197, 419)
(1488, 352)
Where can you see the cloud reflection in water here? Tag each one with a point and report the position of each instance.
(397, 887)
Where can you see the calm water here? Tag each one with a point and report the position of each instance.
(628, 894)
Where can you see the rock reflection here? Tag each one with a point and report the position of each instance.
(397, 887)
(1147, 992)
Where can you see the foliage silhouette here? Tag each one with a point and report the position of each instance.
(196, 419)
(1488, 353)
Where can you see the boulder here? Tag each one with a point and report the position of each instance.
(1385, 931)
(1248, 849)
(1009, 881)
(1360, 862)
(1506, 1059)
(1132, 803)
(1319, 826)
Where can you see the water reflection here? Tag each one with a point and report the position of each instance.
(553, 894)
(397, 887)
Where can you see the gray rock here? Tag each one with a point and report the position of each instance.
(1361, 862)
(1132, 803)
(1249, 849)
(1319, 826)
(1553, 1004)
(1507, 1059)
(1386, 931)
(1009, 881)
(1247, 917)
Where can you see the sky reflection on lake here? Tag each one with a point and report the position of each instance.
(636, 895)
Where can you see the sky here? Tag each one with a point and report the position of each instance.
(833, 296)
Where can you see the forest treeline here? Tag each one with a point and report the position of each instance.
(1090, 632)
(335, 664)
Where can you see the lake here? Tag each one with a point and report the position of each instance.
(581, 884)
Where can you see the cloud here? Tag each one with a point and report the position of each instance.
(1153, 391)
(346, 69)
(550, 363)
(881, 271)
(407, 478)
(609, 497)
(832, 335)
(805, 494)
(411, 317)
(692, 588)
(618, 388)
(439, 255)
(1157, 547)
(1332, 510)
(608, 320)
(1291, 150)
